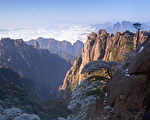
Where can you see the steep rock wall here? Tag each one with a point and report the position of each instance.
(102, 46)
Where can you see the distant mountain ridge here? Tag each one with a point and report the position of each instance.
(120, 26)
(35, 64)
(64, 49)
(71, 32)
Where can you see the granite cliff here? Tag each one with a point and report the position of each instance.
(100, 46)
(124, 95)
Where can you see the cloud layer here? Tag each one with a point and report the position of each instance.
(69, 33)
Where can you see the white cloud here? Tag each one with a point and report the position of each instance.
(69, 33)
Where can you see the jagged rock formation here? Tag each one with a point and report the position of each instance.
(35, 64)
(63, 48)
(127, 96)
(101, 46)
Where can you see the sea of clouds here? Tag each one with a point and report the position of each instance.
(69, 33)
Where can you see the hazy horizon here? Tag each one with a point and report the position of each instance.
(70, 33)
(69, 20)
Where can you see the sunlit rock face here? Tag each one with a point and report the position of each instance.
(129, 95)
(128, 92)
(45, 70)
(100, 46)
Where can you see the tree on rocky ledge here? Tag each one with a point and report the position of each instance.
(109, 66)
(137, 26)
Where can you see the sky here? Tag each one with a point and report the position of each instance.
(43, 13)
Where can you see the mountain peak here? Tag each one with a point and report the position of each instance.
(101, 46)
(62, 48)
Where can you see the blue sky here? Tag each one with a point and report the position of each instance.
(41, 13)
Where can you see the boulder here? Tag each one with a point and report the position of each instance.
(141, 62)
(126, 97)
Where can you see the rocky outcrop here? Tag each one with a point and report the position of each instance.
(62, 48)
(35, 64)
(129, 96)
(126, 96)
(141, 62)
(101, 46)
(65, 90)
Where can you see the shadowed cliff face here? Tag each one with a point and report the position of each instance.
(44, 69)
(11, 82)
(101, 46)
